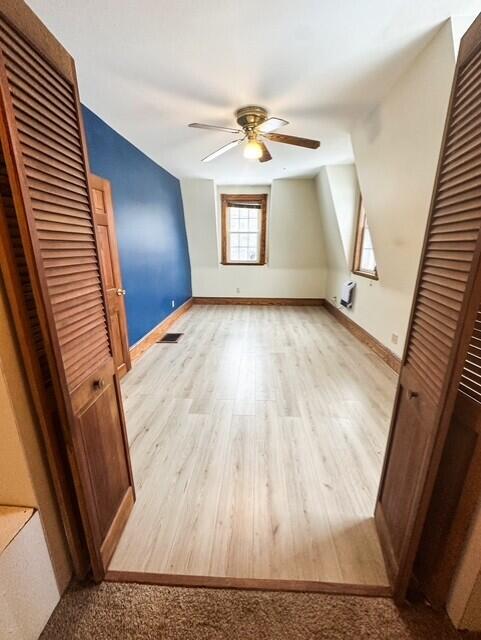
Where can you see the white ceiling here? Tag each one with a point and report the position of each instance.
(149, 67)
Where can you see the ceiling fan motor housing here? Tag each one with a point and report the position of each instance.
(250, 117)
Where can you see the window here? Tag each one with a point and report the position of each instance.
(244, 229)
(364, 258)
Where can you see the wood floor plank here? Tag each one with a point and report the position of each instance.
(257, 443)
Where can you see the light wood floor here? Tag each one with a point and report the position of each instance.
(257, 443)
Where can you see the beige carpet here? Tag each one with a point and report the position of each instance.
(117, 611)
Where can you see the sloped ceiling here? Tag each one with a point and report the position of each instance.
(150, 67)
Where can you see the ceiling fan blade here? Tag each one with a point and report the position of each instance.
(266, 156)
(226, 147)
(200, 125)
(299, 142)
(271, 124)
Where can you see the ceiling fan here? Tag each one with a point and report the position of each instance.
(255, 127)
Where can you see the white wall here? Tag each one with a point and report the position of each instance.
(396, 150)
(338, 194)
(296, 265)
(25, 481)
(29, 592)
(464, 602)
(198, 197)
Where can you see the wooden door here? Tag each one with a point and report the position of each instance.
(109, 257)
(43, 145)
(442, 321)
(457, 488)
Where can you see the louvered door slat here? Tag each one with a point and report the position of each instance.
(80, 366)
(17, 56)
(445, 281)
(467, 121)
(64, 259)
(41, 153)
(464, 192)
(43, 183)
(464, 107)
(79, 221)
(457, 214)
(71, 328)
(429, 317)
(41, 93)
(73, 341)
(445, 255)
(468, 90)
(14, 44)
(429, 303)
(28, 121)
(441, 313)
(35, 168)
(69, 317)
(50, 194)
(11, 219)
(461, 223)
(431, 328)
(449, 274)
(32, 133)
(68, 208)
(436, 298)
(23, 102)
(55, 138)
(77, 272)
(466, 135)
(468, 74)
(462, 163)
(462, 114)
(460, 175)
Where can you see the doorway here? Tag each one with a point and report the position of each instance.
(52, 239)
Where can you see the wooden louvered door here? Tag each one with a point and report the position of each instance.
(443, 316)
(458, 483)
(44, 150)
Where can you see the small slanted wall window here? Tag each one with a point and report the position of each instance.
(244, 229)
(364, 258)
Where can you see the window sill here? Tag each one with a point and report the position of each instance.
(366, 274)
(243, 264)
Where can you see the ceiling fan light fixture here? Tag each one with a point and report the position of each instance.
(256, 127)
(253, 150)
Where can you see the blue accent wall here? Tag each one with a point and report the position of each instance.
(149, 218)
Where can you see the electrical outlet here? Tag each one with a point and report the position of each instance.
(334, 298)
(394, 338)
(173, 304)
(237, 290)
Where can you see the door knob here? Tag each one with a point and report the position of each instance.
(412, 394)
(121, 292)
(98, 384)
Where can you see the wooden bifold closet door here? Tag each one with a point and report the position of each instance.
(443, 317)
(44, 149)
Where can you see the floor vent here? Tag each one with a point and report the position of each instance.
(171, 337)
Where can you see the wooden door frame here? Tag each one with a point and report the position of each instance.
(33, 30)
